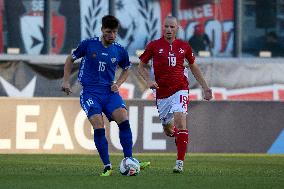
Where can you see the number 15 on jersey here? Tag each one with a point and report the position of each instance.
(102, 66)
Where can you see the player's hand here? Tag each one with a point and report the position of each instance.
(152, 85)
(207, 94)
(114, 87)
(65, 87)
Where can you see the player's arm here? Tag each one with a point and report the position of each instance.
(125, 64)
(121, 79)
(76, 54)
(67, 72)
(142, 67)
(143, 71)
(199, 77)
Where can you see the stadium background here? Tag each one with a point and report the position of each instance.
(245, 116)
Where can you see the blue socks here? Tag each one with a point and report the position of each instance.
(125, 136)
(102, 145)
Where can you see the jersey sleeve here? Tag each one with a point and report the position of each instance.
(124, 63)
(189, 54)
(147, 54)
(80, 51)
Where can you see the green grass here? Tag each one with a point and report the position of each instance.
(220, 171)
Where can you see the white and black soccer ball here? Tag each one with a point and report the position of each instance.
(129, 166)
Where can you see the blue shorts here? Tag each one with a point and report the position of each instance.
(98, 103)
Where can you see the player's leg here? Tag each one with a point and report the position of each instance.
(119, 115)
(93, 109)
(181, 137)
(180, 108)
(166, 117)
(116, 110)
(125, 134)
(101, 142)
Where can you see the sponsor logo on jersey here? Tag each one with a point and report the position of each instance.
(105, 54)
(161, 51)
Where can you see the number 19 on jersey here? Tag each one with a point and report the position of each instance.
(172, 61)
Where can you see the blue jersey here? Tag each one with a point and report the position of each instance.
(98, 64)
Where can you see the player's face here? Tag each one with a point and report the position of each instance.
(109, 35)
(170, 29)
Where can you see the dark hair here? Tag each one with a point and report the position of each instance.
(110, 22)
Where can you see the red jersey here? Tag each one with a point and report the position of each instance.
(168, 64)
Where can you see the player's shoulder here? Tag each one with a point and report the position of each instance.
(91, 40)
(156, 41)
(182, 42)
(118, 46)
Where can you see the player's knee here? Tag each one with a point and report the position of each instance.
(168, 131)
(180, 120)
(180, 126)
(97, 121)
(121, 120)
(120, 115)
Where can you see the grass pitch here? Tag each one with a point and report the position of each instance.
(222, 171)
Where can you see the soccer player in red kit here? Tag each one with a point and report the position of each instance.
(171, 84)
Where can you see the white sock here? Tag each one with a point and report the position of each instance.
(179, 162)
(108, 165)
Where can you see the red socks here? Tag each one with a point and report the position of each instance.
(181, 142)
(181, 139)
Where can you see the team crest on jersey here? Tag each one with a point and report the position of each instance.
(161, 51)
(113, 60)
(181, 50)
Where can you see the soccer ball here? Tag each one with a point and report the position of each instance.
(129, 166)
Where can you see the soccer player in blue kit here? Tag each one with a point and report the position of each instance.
(99, 94)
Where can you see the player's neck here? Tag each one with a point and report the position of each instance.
(105, 44)
(170, 40)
